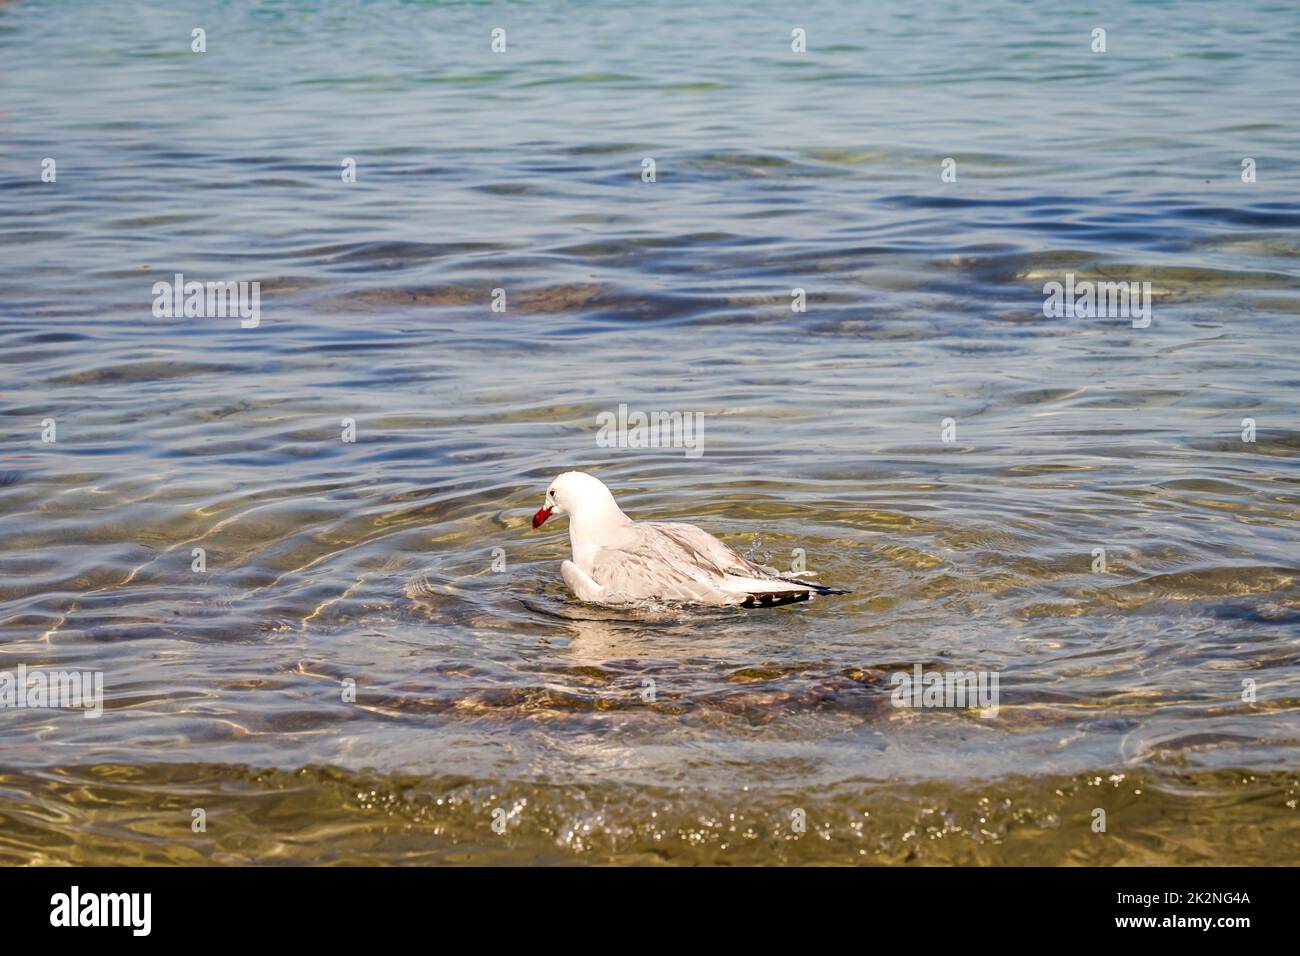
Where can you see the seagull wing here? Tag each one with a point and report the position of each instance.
(680, 562)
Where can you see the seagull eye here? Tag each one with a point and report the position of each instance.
(551, 492)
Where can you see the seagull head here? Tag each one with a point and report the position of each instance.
(577, 494)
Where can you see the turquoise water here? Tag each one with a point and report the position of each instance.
(481, 687)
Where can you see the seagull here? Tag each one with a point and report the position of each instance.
(620, 561)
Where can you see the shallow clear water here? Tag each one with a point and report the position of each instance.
(373, 561)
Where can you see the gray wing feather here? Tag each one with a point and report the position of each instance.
(672, 562)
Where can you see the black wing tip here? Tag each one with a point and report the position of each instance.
(775, 598)
(816, 588)
(778, 598)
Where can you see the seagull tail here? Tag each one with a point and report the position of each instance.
(820, 589)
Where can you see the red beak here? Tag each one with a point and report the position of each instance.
(540, 518)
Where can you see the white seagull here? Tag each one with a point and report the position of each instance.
(618, 561)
